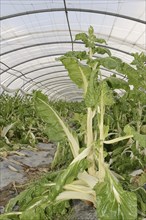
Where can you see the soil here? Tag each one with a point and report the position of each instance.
(20, 168)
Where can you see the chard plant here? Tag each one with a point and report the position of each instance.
(88, 177)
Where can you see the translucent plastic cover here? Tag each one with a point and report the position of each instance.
(35, 32)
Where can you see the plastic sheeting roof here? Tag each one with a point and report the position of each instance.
(35, 32)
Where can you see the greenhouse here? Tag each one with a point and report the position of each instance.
(73, 110)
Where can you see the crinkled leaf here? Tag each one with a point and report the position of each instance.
(116, 83)
(9, 217)
(105, 94)
(91, 97)
(102, 50)
(141, 200)
(78, 72)
(140, 138)
(54, 129)
(58, 210)
(68, 176)
(131, 73)
(31, 214)
(100, 40)
(32, 194)
(108, 62)
(82, 55)
(129, 130)
(90, 39)
(139, 60)
(83, 37)
(22, 199)
(115, 203)
(54, 122)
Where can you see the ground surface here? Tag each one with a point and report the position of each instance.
(19, 168)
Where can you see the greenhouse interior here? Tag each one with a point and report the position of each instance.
(73, 110)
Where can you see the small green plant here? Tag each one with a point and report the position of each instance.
(88, 176)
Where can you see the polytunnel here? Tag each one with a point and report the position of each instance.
(73, 110)
(35, 33)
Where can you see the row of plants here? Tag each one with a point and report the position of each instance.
(20, 125)
(99, 146)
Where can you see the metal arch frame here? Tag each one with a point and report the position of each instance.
(60, 85)
(36, 58)
(35, 77)
(60, 65)
(75, 99)
(50, 73)
(59, 82)
(39, 69)
(68, 24)
(72, 9)
(61, 42)
(55, 83)
(40, 57)
(58, 54)
(61, 88)
(63, 71)
(63, 94)
(45, 67)
(55, 78)
(46, 32)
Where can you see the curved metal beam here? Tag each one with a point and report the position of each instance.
(55, 78)
(60, 88)
(67, 93)
(41, 68)
(51, 74)
(58, 54)
(72, 9)
(63, 42)
(36, 58)
(75, 99)
(35, 77)
(75, 30)
(59, 82)
(60, 85)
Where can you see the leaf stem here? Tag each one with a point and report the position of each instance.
(101, 129)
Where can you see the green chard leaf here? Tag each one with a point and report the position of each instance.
(56, 126)
(83, 37)
(78, 72)
(82, 55)
(31, 214)
(115, 203)
(116, 83)
(102, 50)
(68, 176)
(91, 97)
(105, 94)
(141, 138)
(108, 62)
